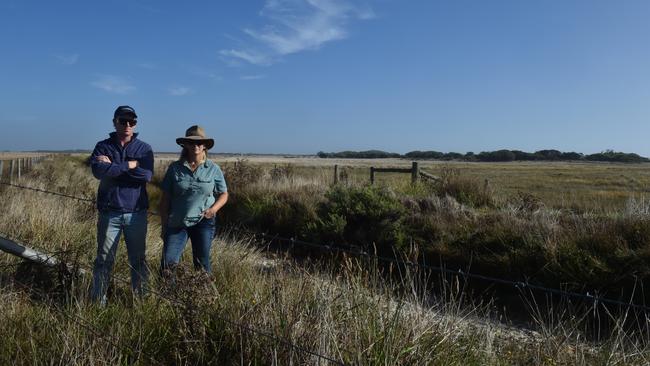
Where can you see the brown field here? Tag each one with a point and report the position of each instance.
(575, 185)
(17, 155)
(580, 186)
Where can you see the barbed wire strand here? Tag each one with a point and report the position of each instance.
(82, 322)
(340, 248)
(222, 318)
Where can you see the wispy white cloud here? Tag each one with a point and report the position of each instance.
(113, 84)
(297, 25)
(250, 56)
(252, 77)
(179, 91)
(70, 59)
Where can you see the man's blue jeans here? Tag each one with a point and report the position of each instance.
(201, 236)
(110, 225)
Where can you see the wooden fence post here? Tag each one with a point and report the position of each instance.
(11, 170)
(1, 169)
(19, 161)
(415, 172)
(336, 173)
(372, 175)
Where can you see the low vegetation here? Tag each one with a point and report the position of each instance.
(338, 307)
(462, 223)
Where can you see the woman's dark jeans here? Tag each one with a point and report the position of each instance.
(201, 236)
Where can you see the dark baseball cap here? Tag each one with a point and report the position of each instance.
(124, 110)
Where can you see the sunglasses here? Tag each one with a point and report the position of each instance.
(192, 143)
(130, 122)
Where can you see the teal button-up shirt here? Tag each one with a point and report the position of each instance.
(191, 193)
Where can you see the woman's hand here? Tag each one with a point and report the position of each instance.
(210, 213)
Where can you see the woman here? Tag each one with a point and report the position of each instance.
(194, 190)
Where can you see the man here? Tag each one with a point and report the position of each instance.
(123, 164)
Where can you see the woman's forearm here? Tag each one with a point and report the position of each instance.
(221, 200)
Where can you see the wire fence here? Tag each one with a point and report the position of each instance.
(520, 285)
(88, 325)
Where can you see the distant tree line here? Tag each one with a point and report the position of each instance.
(491, 156)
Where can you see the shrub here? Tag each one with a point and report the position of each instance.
(283, 172)
(466, 190)
(241, 174)
(361, 216)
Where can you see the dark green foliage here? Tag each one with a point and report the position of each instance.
(494, 156)
(610, 155)
(435, 155)
(362, 216)
(282, 213)
(369, 154)
(499, 155)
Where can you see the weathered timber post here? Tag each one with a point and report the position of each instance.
(11, 170)
(19, 166)
(415, 172)
(372, 175)
(2, 165)
(336, 173)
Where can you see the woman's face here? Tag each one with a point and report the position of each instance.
(194, 148)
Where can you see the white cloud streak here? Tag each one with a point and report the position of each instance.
(248, 56)
(179, 91)
(113, 84)
(298, 25)
(67, 59)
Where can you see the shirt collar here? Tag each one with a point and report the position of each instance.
(204, 164)
(113, 136)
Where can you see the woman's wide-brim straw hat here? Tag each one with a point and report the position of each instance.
(196, 134)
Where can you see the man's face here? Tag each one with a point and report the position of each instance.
(125, 125)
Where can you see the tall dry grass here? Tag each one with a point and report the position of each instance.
(343, 309)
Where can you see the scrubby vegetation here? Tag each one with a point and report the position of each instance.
(493, 156)
(347, 310)
(462, 223)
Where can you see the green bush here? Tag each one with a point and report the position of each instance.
(361, 216)
(282, 213)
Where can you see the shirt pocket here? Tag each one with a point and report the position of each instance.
(204, 186)
(182, 185)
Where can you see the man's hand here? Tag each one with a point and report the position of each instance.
(103, 159)
(133, 164)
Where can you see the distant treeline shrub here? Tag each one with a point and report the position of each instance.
(494, 156)
(370, 154)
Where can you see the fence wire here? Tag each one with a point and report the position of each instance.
(520, 285)
(88, 325)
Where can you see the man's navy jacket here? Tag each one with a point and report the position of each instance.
(120, 188)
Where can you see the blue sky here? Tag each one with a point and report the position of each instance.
(300, 76)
